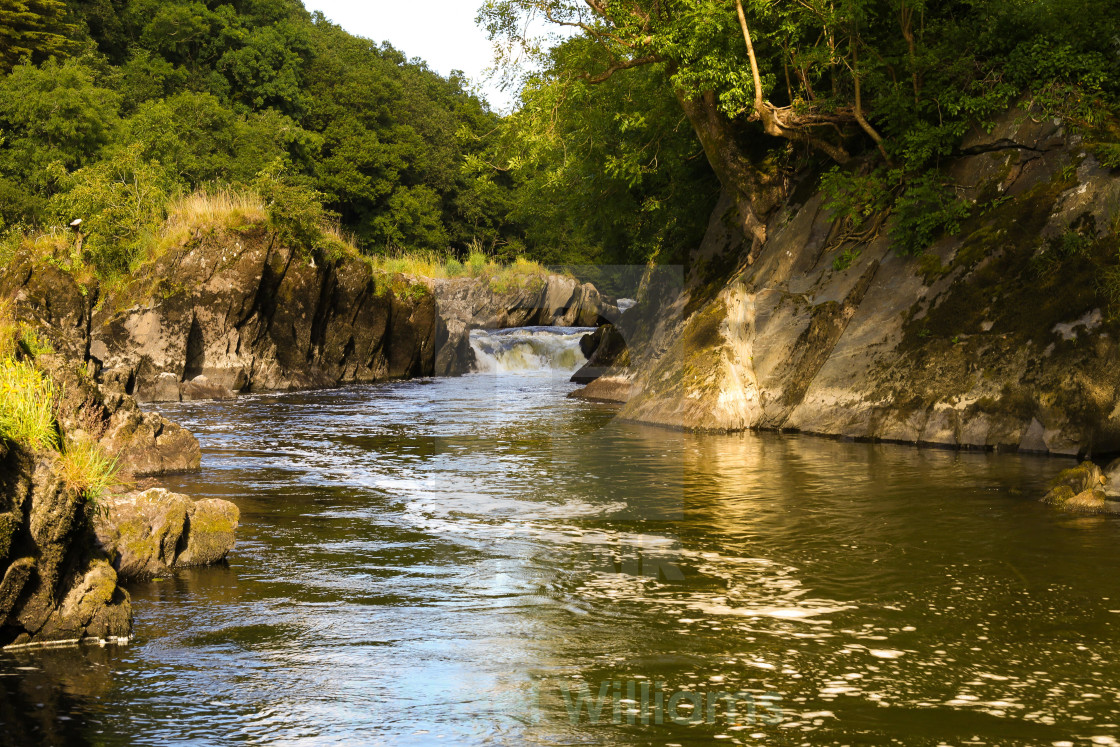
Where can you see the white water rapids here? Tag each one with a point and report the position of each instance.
(525, 349)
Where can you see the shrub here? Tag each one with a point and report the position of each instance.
(927, 209)
(476, 263)
(295, 209)
(454, 268)
(27, 406)
(32, 343)
(9, 332)
(854, 197)
(121, 202)
(845, 259)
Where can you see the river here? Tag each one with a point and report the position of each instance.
(470, 560)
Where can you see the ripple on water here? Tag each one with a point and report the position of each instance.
(450, 557)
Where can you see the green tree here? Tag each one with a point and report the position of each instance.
(119, 201)
(54, 114)
(34, 30)
(764, 82)
(607, 172)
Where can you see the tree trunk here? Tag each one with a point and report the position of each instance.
(756, 194)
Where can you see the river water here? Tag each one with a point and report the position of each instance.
(468, 561)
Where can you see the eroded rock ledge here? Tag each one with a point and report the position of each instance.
(58, 584)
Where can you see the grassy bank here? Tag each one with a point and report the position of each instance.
(29, 403)
(89, 256)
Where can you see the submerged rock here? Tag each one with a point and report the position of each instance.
(148, 534)
(610, 389)
(202, 388)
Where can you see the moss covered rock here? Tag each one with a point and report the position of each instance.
(211, 527)
(1083, 477)
(56, 583)
(148, 534)
(1083, 489)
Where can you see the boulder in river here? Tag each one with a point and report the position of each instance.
(1082, 489)
(611, 389)
(604, 349)
(148, 534)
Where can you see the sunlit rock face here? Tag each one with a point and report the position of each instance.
(972, 344)
(251, 315)
(232, 313)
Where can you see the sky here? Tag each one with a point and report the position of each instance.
(441, 32)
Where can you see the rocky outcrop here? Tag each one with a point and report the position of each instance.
(605, 348)
(57, 584)
(1086, 489)
(999, 337)
(608, 389)
(146, 444)
(149, 534)
(491, 303)
(237, 313)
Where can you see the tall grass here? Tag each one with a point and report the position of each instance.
(28, 404)
(9, 331)
(204, 211)
(27, 400)
(442, 266)
(228, 209)
(88, 470)
(221, 208)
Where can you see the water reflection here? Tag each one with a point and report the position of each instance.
(460, 561)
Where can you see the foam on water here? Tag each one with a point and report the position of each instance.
(528, 349)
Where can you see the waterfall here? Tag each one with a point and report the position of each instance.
(523, 349)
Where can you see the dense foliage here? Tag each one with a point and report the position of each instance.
(626, 131)
(108, 108)
(608, 172)
(881, 91)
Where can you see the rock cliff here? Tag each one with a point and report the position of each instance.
(239, 313)
(1003, 336)
(57, 583)
(59, 580)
